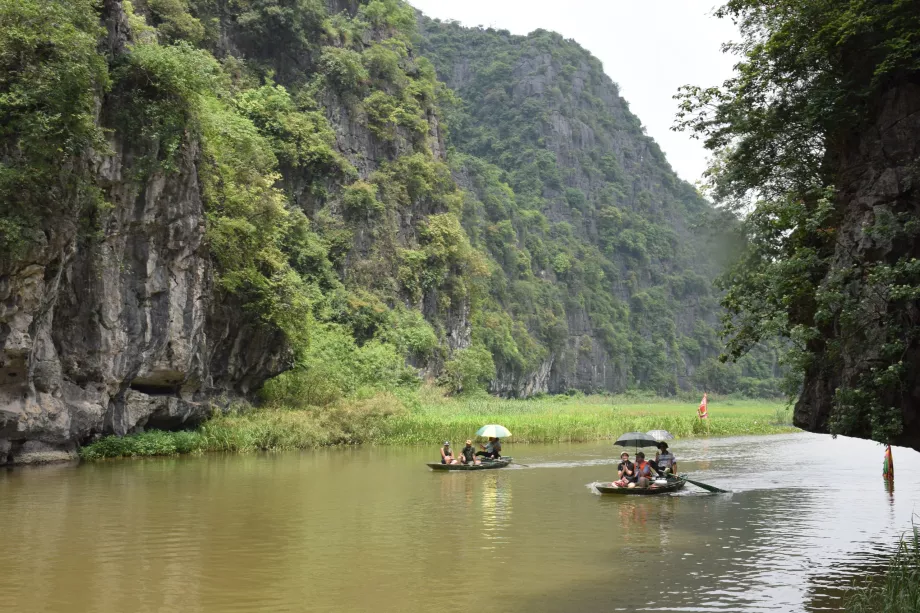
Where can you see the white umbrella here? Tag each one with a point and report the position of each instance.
(493, 430)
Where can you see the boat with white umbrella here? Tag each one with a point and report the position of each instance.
(489, 431)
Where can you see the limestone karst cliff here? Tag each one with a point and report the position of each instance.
(199, 196)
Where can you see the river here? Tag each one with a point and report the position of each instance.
(374, 530)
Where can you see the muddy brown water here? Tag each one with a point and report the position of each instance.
(374, 530)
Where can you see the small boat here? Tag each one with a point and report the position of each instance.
(486, 464)
(673, 485)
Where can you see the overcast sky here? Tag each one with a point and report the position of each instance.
(649, 47)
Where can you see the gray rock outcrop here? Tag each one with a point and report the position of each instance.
(125, 331)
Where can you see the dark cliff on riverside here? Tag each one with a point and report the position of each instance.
(126, 326)
(124, 329)
(878, 174)
(229, 192)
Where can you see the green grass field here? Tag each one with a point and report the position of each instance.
(564, 419)
(428, 417)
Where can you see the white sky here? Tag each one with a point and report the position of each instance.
(649, 47)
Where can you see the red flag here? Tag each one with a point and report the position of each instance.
(888, 465)
(702, 411)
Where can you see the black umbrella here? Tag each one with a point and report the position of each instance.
(660, 435)
(636, 439)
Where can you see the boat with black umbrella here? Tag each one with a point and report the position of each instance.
(663, 485)
(636, 439)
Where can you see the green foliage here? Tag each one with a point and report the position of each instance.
(717, 376)
(410, 333)
(335, 366)
(360, 198)
(811, 77)
(468, 370)
(384, 62)
(300, 139)
(386, 114)
(390, 14)
(152, 443)
(50, 76)
(292, 25)
(250, 224)
(404, 91)
(344, 69)
(342, 31)
(174, 22)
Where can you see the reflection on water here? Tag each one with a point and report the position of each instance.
(373, 529)
(496, 509)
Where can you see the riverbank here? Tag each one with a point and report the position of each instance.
(429, 418)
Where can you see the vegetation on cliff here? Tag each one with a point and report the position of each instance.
(815, 137)
(602, 259)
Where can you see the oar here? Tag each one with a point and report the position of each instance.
(709, 488)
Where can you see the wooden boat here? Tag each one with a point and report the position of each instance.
(673, 485)
(486, 464)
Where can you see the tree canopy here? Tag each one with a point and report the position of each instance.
(811, 80)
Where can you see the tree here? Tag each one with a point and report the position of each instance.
(822, 104)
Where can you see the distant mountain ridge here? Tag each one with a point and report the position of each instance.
(620, 247)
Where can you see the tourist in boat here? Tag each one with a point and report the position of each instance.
(664, 462)
(626, 471)
(644, 471)
(447, 455)
(492, 449)
(468, 454)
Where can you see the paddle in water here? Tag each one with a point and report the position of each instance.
(709, 488)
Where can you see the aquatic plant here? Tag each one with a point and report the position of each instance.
(899, 591)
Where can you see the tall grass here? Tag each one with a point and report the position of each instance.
(429, 417)
(899, 592)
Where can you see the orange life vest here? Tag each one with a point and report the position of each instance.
(641, 469)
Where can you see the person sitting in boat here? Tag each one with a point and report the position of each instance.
(644, 471)
(468, 454)
(626, 471)
(492, 450)
(664, 462)
(447, 455)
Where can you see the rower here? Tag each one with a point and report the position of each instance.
(492, 450)
(665, 462)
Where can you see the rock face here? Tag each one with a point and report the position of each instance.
(598, 152)
(879, 176)
(117, 334)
